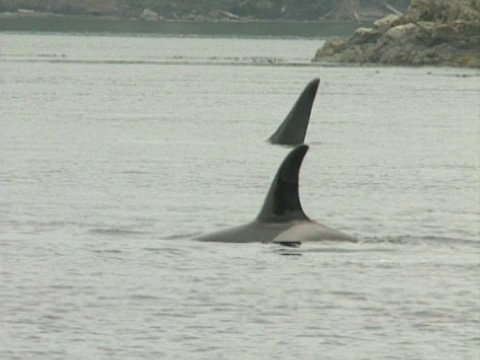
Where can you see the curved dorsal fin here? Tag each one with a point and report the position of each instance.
(293, 129)
(283, 202)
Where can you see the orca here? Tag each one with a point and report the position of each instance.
(281, 219)
(293, 129)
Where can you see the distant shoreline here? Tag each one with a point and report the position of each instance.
(40, 14)
(52, 22)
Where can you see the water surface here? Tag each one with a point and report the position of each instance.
(116, 150)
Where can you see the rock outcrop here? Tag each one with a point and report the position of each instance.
(431, 32)
(149, 15)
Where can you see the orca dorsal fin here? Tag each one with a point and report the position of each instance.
(283, 202)
(293, 129)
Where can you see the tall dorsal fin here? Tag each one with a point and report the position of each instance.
(283, 202)
(293, 129)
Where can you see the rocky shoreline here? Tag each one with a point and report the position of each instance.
(431, 32)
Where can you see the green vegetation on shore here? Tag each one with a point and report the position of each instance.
(299, 10)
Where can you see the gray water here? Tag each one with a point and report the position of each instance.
(116, 150)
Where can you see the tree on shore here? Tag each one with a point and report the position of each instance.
(258, 9)
(278, 9)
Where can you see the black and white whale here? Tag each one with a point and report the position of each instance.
(281, 219)
(293, 129)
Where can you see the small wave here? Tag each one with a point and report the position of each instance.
(385, 240)
(143, 297)
(180, 236)
(112, 251)
(338, 250)
(410, 239)
(115, 231)
(450, 240)
(456, 75)
(167, 61)
(167, 251)
(287, 251)
(364, 245)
